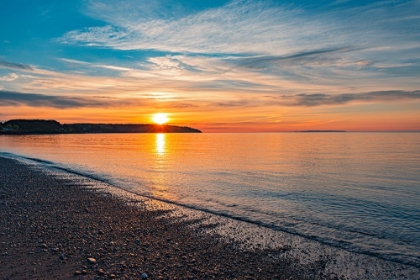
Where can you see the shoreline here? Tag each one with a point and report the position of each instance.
(50, 227)
(129, 235)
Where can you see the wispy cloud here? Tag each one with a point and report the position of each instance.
(13, 65)
(259, 62)
(246, 27)
(238, 54)
(38, 100)
(10, 77)
(328, 47)
(200, 80)
(95, 65)
(312, 100)
(238, 27)
(10, 98)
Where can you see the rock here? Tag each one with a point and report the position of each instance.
(112, 276)
(91, 260)
(77, 272)
(144, 276)
(44, 246)
(101, 271)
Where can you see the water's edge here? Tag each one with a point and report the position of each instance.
(251, 234)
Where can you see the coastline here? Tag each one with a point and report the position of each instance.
(51, 226)
(51, 223)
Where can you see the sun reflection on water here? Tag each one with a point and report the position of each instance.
(160, 186)
(160, 143)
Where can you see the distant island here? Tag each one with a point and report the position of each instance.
(22, 127)
(321, 131)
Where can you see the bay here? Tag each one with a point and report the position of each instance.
(356, 191)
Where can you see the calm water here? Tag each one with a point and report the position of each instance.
(358, 191)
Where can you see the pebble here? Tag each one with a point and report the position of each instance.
(146, 253)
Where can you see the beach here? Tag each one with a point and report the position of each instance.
(55, 229)
(56, 224)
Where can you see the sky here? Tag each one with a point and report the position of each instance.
(219, 66)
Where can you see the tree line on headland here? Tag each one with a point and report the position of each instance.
(18, 127)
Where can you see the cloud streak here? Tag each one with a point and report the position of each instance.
(238, 27)
(312, 100)
(15, 66)
(9, 98)
(9, 78)
(265, 61)
(246, 27)
(319, 47)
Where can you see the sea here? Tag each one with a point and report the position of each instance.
(359, 192)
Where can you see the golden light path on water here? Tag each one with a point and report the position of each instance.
(160, 143)
(161, 183)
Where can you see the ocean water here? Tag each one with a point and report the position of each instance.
(356, 191)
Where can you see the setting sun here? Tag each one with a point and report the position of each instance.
(160, 118)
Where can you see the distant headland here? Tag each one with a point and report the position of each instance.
(22, 127)
(321, 131)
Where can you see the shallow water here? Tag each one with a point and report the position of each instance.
(357, 191)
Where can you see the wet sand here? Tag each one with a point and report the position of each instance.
(53, 228)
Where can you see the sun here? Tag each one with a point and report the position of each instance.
(160, 118)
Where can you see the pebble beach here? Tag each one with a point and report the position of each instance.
(60, 225)
(55, 229)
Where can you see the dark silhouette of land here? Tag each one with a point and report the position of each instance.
(21, 127)
(321, 131)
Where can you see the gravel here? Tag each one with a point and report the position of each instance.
(50, 229)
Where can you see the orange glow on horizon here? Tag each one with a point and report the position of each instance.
(356, 117)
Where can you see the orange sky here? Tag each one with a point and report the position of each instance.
(218, 67)
(357, 117)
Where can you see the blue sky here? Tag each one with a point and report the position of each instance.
(253, 62)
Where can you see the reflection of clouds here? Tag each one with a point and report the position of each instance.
(160, 143)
